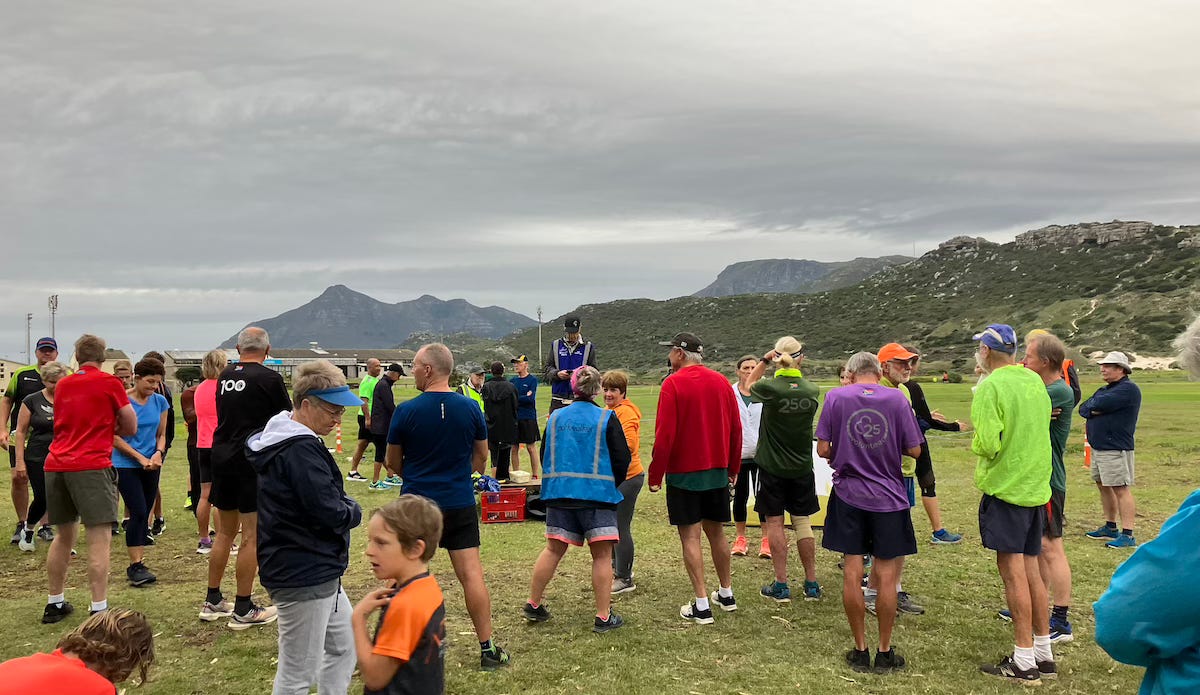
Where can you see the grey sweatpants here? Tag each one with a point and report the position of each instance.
(623, 557)
(316, 646)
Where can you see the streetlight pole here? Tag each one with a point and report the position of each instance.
(53, 310)
(539, 312)
(28, 345)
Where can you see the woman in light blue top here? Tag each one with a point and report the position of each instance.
(138, 461)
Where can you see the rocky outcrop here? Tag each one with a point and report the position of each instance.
(791, 276)
(1099, 233)
(962, 243)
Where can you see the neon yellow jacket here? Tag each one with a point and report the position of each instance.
(908, 465)
(466, 390)
(1010, 412)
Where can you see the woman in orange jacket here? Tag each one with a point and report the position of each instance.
(616, 385)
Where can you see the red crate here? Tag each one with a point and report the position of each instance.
(505, 506)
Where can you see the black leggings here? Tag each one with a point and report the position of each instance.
(37, 481)
(501, 457)
(924, 472)
(747, 480)
(138, 488)
(193, 456)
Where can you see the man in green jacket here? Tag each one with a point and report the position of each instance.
(1010, 411)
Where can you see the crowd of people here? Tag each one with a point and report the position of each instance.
(83, 441)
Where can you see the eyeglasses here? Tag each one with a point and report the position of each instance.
(336, 412)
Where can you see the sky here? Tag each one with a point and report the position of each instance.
(174, 172)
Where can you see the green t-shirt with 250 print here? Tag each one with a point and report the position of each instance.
(785, 432)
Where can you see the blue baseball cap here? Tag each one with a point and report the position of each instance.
(338, 395)
(1000, 337)
(47, 343)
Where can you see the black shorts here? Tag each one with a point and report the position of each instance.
(1007, 528)
(364, 434)
(234, 487)
(12, 457)
(776, 495)
(460, 529)
(1053, 525)
(380, 442)
(527, 432)
(204, 463)
(687, 507)
(855, 531)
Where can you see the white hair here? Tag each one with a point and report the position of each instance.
(864, 363)
(253, 339)
(691, 356)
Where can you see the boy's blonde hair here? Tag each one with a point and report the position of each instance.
(113, 643)
(414, 518)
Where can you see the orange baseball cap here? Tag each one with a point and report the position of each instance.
(894, 351)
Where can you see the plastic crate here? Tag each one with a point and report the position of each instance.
(505, 506)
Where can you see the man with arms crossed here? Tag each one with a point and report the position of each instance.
(1112, 414)
(434, 442)
(90, 407)
(248, 394)
(1012, 441)
(697, 449)
(527, 427)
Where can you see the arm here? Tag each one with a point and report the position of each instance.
(123, 446)
(6, 406)
(1073, 378)
(988, 425)
(734, 464)
(591, 360)
(618, 449)
(825, 449)
(664, 436)
(170, 428)
(550, 370)
(1108, 400)
(311, 491)
(377, 670)
(394, 458)
(20, 473)
(187, 401)
(160, 441)
(479, 456)
(126, 421)
(282, 400)
(929, 420)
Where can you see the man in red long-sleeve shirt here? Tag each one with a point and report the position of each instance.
(698, 449)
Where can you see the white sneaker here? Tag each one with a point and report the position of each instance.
(26, 542)
(257, 615)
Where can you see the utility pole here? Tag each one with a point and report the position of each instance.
(539, 332)
(53, 310)
(28, 344)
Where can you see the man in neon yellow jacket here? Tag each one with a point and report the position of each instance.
(1010, 411)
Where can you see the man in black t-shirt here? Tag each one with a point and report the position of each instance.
(248, 394)
(25, 381)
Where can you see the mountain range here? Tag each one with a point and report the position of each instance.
(787, 275)
(341, 316)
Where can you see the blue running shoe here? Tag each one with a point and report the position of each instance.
(1102, 533)
(812, 591)
(777, 591)
(944, 537)
(1060, 631)
(1121, 541)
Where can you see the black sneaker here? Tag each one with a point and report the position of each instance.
(116, 529)
(16, 537)
(150, 540)
(726, 604)
(1047, 669)
(859, 661)
(494, 659)
(536, 615)
(886, 662)
(693, 614)
(46, 533)
(160, 525)
(56, 611)
(1008, 669)
(140, 575)
(614, 621)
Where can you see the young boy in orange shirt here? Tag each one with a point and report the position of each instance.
(408, 651)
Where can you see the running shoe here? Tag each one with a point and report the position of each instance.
(886, 662)
(233, 550)
(536, 615)
(116, 529)
(1121, 542)
(140, 575)
(904, 604)
(1047, 669)
(944, 537)
(210, 612)
(56, 611)
(1104, 533)
(204, 547)
(812, 591)
(739, 547)
(356, 477)
(379, 487)
(1008, 670)
(160, 525)
(777, 591)
(614, 621)
(726, 604)
(859, 661)
(26, 542)
(1060, 631)
(869, 603)
(764, 550)
(46, 533)
(257, 615)
(393, 480)
(493, 659)
(1005, 615)
(621, 585)
(20, 530)
(695, 615)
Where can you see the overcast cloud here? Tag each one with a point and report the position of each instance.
(175, 171)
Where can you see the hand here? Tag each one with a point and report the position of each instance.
(563, 374)
(1054, 413)
(20, 474)
(374, 600)
(654, 488)
(964, 426)
(156, 461)
(937, 415)
(770, 355)
(4, 439)
(367, 421)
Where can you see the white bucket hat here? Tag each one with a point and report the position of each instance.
(1117, 358)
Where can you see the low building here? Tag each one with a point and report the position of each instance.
(352, 362)
(7, 369)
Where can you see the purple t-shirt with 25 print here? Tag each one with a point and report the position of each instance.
(869, 425)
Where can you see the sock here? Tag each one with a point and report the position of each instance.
(602, 618)
(1041, 648)
(1111, 524)
(214, 595)
(486, 646)
(100, 605)
(701, 603)
(899, 587)
(1024, 657)
(1127, 532)
(725, 592)
(781, 584)
(56, 599)
(869, 593)
(533, 605)
(1060, 613)
(241, 604)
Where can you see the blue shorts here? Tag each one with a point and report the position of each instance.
(573, 526)
(911, 488)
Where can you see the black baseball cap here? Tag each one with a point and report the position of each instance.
(477, 369)
(685, 341)
(571, 323)
(395, 367)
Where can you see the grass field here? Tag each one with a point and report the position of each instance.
(762, 648)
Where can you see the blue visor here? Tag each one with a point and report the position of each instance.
(339, 395)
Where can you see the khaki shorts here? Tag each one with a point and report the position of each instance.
(1112, 468)
(87, 496)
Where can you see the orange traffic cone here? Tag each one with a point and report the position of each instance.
(339, 441)
(1087, 452)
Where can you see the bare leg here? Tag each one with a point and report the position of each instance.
(20, 498)
(59, 555)
(719, 546)
(360, 448)
(543, 569)
(1016, 592)
(741, 528)
(807, 548)
(885, 600)
(1055, 570)
(203, 511)
(852, 598)
(535, 458)
(218, 559)
(1108, 502)
(375, 476)
(247, 562)
(1040, 618)
(933, 511)
(777, 539)
(99, 542)
(693, 558)
(515, 456)
(602, 576)
(469, 570)
(1125, 506)
(136, 553)
(157, 506)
